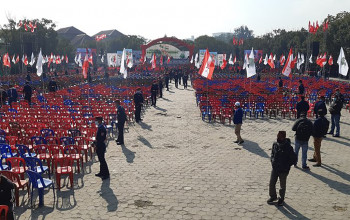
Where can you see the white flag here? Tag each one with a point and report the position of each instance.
(343, 64)
(102, 59)
(32, 60)
(39, 64)
(123, 69)
(196, 61)
(266, 60)
(251, 71)
(79, 60)
(310, 59)
(230, 61)
(191, 60)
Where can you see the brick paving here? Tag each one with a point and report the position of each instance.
(176, 166)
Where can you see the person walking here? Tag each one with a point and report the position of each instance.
(302, 106)
(282, 158)
(238, 120)
(320, 104)
(121, 117)
(160, 87)
(28, 91)
(176, 79)
(101, 148)
(154, 91)
(303, 131)
(335, 111)
(320, 129)
(185, 79)
(138, 100)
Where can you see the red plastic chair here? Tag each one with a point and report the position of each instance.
(5, 209)
(83, 146)
(63, 166)
(73, 152)
(19, 184)
(18, 165)
(43, 153)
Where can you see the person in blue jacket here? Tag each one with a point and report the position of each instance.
(237, 120)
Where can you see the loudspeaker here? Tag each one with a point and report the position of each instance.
(315, 48)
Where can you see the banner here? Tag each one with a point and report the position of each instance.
(257, 54)
(167, 50)
(112, 59)
(221, 57)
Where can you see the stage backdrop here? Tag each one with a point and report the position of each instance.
(167, 50)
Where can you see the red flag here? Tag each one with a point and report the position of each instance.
(322, 60)
(235, 60)
(25, 27)
(234, 41)
(168, 61)
(317, 27)
(208, 66)
(260, 60)
(90, 60)
(17, 59)
(287, 68)
(241, 41)
(271, 62)
(282, 59)
(6, 60)
(85, 65)
(224, 63)
(19, 23)
(154, 61)
(66, 58)
(25, 60)
(58, 59)
(330, 60)
(295, 60)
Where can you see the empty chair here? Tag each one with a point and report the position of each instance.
(74, 132)
(24, 151)
(36, 140)
(6, 151)
(40, 183)
(66, 141)
(73, 152)
(36, 165)
(4, 209)
(63, 166)
(259, 108)
(17, 165)
(3, 166)
(46, 132)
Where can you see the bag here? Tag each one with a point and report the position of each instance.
(325, 126)
(331, 110)
(304, 130)
(292, 158)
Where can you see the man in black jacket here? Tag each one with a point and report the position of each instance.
(160, 87)
(154, 91)
(138, 100)
(52, 85)
(320, 105)
(302, 106)
(303, 131)
(28, 91)
(101, 149)
(335, 110)
(301, 88)
(166, 78)
(6, 195)
(282, 157)
(320, 128)
(121, 117)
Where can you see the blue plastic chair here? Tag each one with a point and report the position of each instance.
(6, 151)
(24, 151)
(3, 166)
(35, 164)
(46, 132)
(2, 139)
(259, 108)
(38, 140)
(247, 108)
(74, 132)
(40, 183)
(2, 133)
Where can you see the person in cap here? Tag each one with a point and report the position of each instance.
(282, 158)
(302, 106)
(121, 117)
(101, 148)
(238, 120)
(335, 111)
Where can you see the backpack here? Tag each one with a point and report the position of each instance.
(304, 130)
(325, 126)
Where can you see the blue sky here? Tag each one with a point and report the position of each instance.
(180, 18)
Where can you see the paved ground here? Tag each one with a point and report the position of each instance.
(175, 166)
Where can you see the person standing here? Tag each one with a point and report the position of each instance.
(52, 85)
(320, 105)
(302, 106)
(121, 117)
(160, 87)
(166, 78)
(282, 158)
(101, 148)
(176, 79)
(280, 83)
(320, 129)
(3, 96)
(238, 120)
(335, 110)
(7, 188)
(138, 100)
(301, 88)
(12, 95)
(154, 91)
(28, 91)
(303, 131)
(185, 79)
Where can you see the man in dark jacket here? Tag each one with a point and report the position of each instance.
(282, 157)
(301, 88)
(138, 100)
(6, 195)
(166, 78)
(302, 106)
(160, 87)
(320, 105)
(52, 85)
(28, 91)
(12, 94)
(101, 148)
(154, 91)
(184, 79)
(3, 96)
(335, 110)
(121, 117)
(238, 121)
(320, 128)
(303, 130)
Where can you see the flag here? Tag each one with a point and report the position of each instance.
(168, 61)
(100, 37)
(270, 62)
(86, 65)
(295, 60)
(287, 67)
(234, 41)
(246, 60)
(196, 61)
(19, 23)
(343, 64)
(191, 60)
(251, 71)
(129, 61)
(79, 60)
(310, 59)
(25, 26)
(123, 70)
(282, 60)
(6, 60)
(266, 60)
(241, 41)
(274, 57)
(66, 59)
(322, 60)
(153, 61)
(145, 59)
(32, 60)
(13, 59)
(330, 60)
(76, 58)
(25, 60)
(161, 60)
(325, 25)
(235, 60)
(102, 59)
(230, 61)
(208, 66)
(17, 59)
(39, 64)
(224, 63)
(57, 59)
(90, 60)
(260, 60)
